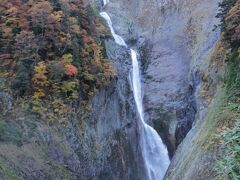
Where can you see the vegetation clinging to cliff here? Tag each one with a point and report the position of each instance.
(228, 166)
(51, 53)
(229, 16)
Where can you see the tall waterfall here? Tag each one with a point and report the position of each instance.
(154, 151)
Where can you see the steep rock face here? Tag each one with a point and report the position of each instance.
(196, 156)
(117, 116)
(174, 39)
(100, 144)
(177, 62)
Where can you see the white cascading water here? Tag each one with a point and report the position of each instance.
(118, 39)
(105, 2)
(155, 153)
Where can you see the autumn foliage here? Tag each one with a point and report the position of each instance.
(53, 44)
(233, 25)
(230, 19)
(71, 70)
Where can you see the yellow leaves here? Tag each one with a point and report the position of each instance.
(84, 52)
(39, 94)
(75, 28)
(64, 38)
(35, 30)
(70, 89)
(74, 25)
(12, 21)
(61, 109)
(69, 86)
(72, 20)
(67, 59)
(30, 2)
(41, 68)
(7, 31)
(40, 78)
(58, 15)
(12, 10)
(97, 52)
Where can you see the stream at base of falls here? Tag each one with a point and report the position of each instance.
(154, 152)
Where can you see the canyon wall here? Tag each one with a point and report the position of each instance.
(175, 42)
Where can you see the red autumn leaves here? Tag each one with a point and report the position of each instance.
(71, 70)
(6, 56)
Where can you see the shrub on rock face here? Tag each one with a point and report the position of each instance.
(53, 44)
(232, 21)
(40, 75)
(71, 70)
(228, 165)
(21, 83)
(229, 16)
(56, 70)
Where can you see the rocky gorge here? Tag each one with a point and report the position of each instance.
(176, 44)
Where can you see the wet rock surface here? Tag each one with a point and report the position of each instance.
(174, 40)
(169, 98)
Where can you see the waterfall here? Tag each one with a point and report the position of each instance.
(105, 2)
(154, 152)
(118, 39)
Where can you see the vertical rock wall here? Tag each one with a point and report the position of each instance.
(175, 40)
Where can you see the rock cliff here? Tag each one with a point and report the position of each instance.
(176, 42)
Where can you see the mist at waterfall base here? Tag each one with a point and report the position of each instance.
(154, 152)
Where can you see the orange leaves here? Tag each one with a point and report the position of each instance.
(39, 94)
(57, 42)
(71, 70)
